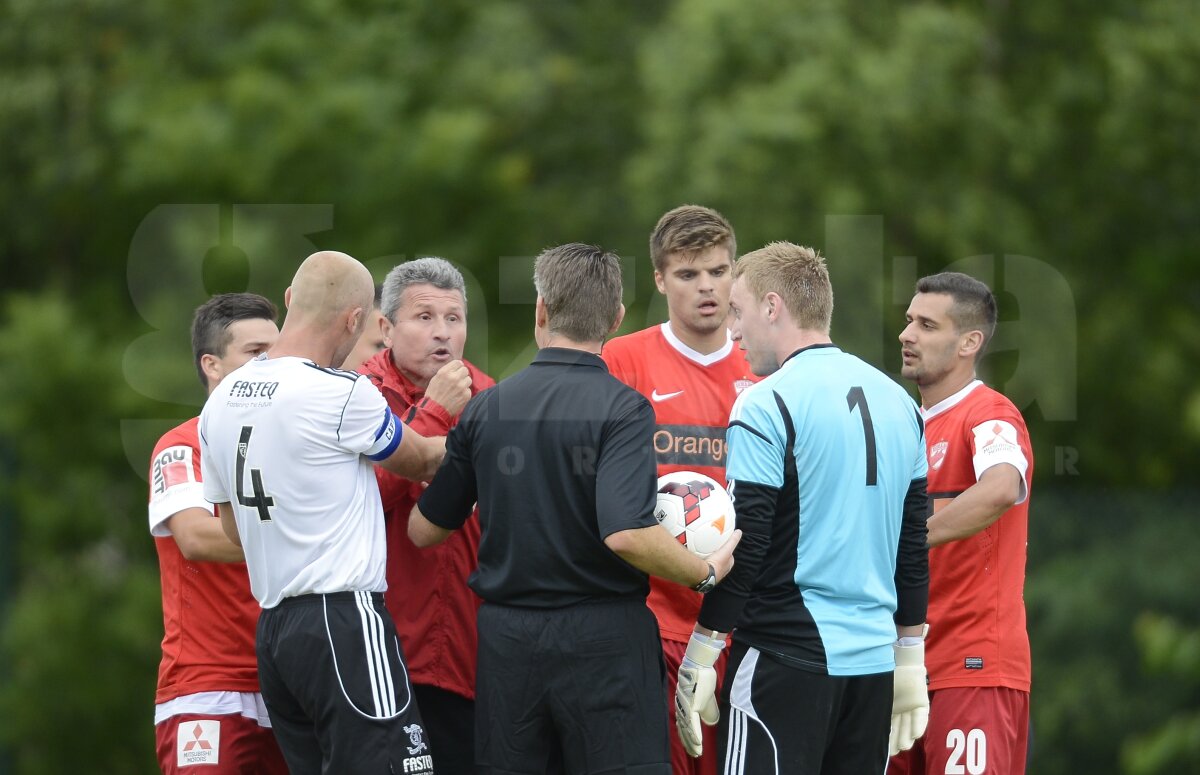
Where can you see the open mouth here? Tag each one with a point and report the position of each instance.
(442, 353)
(709, 306)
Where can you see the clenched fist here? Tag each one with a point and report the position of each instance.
(451, 387)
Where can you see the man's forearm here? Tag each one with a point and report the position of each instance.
(651, 550)
(977, 507)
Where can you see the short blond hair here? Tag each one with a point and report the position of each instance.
(798, 274)
(690, 229)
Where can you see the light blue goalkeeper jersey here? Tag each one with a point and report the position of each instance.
(842, 442)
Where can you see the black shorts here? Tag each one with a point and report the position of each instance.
(336, 687)
(450, 722)
(578, 689)
(777, 719)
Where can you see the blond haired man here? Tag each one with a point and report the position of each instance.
(827, 468)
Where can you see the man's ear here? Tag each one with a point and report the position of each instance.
(541, 317)
(211, 366)
(287, 298)
(617, 323)
(385, 328)
(354, 320)
(971, 344)
(774, 304)
(660, 283)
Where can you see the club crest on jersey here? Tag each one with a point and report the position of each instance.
(741, 384)
(415, 736)
(937, 454)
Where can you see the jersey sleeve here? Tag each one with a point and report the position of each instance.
(920, 458)
(626, 472)
(450, 498)
(216, 489)
(176, 483)
(754, 444)
(367, 426)
(998, 439)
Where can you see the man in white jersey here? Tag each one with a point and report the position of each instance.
(287, 445)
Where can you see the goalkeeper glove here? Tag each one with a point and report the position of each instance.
(910, 695)
(696, 691)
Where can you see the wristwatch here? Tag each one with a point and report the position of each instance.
(709, 582)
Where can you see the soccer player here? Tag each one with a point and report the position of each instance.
(827, 468)
(287, 444)
(208, 711)
(426, 382)
(373, 338)
(690, 370)
(980, 469)
(559, 458)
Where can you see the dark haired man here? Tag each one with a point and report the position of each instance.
(980, 469)
(208, 711)
(691, 371)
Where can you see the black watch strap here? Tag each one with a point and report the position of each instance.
(709, 582)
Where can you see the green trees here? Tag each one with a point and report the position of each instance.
(152, 153)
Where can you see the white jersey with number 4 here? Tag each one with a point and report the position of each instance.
(289, 445)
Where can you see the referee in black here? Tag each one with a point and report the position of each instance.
(560, 458)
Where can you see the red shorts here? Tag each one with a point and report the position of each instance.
(228, 744)
(681, 763)
(972, 731)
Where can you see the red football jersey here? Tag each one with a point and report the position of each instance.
(209, 615)
(977, 634)
(692, 394)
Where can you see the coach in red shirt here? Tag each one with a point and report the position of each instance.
(426, 383)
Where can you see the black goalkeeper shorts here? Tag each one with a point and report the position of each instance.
(777, 718)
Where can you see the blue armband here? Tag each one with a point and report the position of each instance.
(387, 438)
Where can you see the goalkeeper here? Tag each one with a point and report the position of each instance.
(828, 593)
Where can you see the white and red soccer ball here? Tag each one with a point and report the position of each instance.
(696, 510)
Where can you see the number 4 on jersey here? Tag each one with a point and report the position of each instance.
(261, 500)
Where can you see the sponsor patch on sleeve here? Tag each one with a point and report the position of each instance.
(994, 434)
(997, 441)
(172, 467)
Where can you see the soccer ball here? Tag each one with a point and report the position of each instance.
(695, 510)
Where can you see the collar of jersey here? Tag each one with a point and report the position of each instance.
(693, 355)
(568, 356)
(822, 346)
(950, 402)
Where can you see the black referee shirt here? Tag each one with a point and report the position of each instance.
(559, 456)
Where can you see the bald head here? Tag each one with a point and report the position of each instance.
(327, 285)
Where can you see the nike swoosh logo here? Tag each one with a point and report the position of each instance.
(664, 396)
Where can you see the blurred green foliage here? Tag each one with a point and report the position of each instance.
(152, 153)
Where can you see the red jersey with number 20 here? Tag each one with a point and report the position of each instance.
(977, 634)
(209, 615)
(692, 394)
